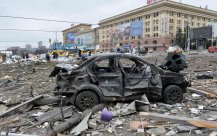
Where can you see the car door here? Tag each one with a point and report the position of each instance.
(109, 77)
(136, 76)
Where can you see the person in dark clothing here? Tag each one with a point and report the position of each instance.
(120, 49)
(79, 53)
(4, 56)
(47, 57)
(27, 55)
(55, 55)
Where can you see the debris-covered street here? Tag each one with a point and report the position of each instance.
(41, 113)
(108, 68)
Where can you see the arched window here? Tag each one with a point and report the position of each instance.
(154, 42)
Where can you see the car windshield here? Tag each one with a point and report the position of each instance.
(86, 62)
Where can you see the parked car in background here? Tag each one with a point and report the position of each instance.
(212, 49)
(174, 49)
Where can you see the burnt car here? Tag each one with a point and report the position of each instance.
(117, 77)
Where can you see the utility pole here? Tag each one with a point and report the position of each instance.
(56, 35)
(212, 38)
(189, 40)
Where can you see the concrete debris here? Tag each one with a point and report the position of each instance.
(183, 129)
(29, 105)
(171, 133)
(110, 130)
(203, 75)
(3, 109)
(92, 124)
(213, 134)
(55, 114)
(140, 132)
(156, 131)
(195, 111)
(95, 133)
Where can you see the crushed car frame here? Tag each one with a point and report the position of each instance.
(117, 77)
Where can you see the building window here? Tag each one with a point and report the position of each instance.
(204, 19)
(171, 42)
(147, 29)
(107, 36)
(139, 37)
(178, 14)
(132, 20)
(192, 17)
(146, 42)
(155, 34)
(156, 14)
(171, 20)
(155, 22)
(139, 18)
(171, 27)
(186, 16)
(171, 13)
(133, 37)
(147, 16)
(147, 23)
(178, 22)
(198, 24)
(192, 23)
(155, 28)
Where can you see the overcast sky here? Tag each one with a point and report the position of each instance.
(84, 11)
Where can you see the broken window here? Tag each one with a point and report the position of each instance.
(132, 66)
(106, 65)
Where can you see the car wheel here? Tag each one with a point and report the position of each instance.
(86, 100)
(172, 94)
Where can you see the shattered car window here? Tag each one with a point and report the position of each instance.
(132, 66)
(106, 65)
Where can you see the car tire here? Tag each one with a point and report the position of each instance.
(86, 100)
(172, 94)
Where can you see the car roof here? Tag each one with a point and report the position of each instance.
(111, 55)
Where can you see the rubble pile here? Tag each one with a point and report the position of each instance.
(29, 108)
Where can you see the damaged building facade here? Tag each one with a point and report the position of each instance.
(152, 27)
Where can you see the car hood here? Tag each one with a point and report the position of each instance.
(67, 68)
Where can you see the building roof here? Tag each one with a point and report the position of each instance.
(158, 4)
(82, 24)
(87, 31)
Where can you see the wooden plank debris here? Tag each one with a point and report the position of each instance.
(6, 122)
(203, 93)
(134, 125)
(180, 120)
